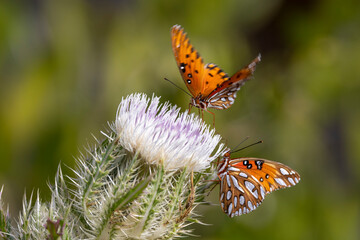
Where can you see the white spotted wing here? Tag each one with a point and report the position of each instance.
(247, 180)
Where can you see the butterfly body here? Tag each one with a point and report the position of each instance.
(244, 182)
(209, 85)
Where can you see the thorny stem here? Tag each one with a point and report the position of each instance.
(94, 176)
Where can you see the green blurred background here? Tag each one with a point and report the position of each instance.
(65, 65)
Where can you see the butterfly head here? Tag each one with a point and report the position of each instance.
(223, 164)
(227, 154)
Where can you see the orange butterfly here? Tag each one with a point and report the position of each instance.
(209, 86)
(246, 181)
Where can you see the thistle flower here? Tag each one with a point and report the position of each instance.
(163, 136)
(141, 182)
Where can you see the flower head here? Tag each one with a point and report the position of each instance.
(163, 135)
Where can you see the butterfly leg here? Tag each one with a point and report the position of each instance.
(216, 183)
(213, 117)
(190, 106)
(213, 180)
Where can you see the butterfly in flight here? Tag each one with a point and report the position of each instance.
(244, 182)
(209, 86)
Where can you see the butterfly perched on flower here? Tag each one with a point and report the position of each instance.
(244, 182)
(209, 85)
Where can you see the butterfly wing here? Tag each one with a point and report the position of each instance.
(190, 64)
(199, 78)
(208, 81)
(223, 95)
(214, 77)
(248, 180)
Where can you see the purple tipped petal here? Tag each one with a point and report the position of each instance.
(163, 135)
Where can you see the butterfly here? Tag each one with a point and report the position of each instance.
(209, 85)
(244, 182)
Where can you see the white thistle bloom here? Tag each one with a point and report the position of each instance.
(111, 198)
(163, 136)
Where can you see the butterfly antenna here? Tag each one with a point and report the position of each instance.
(246, 138)
(247, 146)
(178, 87)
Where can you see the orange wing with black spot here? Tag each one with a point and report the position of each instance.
(247, 181)
(208, 82)
(223, 96)
(198, 77)
(190, 64)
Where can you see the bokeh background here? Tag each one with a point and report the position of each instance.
(65, 65)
